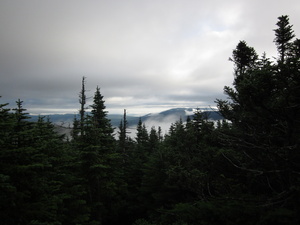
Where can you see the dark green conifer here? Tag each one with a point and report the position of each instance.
(264, 120)
(283, 37)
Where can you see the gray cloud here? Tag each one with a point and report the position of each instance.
(144, 55)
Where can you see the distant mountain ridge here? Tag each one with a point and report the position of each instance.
(63, 122)
(183, 113)
(170, 116)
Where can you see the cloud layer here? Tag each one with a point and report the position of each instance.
(144, 55)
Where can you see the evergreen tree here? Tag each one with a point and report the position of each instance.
(264, 115)
(244, 58)
(22, 125)
(7, 188)
(6, 127)
(124, 141)
(99, 121)
(99, 163)
(153, 140)
(82, 101)
(75, 133)
(141, 150)
(142, 133)
(283, 37)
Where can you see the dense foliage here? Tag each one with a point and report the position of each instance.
(242, 170)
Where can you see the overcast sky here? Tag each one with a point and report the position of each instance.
(145, 55)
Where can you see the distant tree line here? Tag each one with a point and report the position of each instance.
(243, 170)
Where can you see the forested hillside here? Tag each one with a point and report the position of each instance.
(243, 170)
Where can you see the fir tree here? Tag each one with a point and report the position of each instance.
(82, 101)
(99, 161)
(264, 117)
(283, 36)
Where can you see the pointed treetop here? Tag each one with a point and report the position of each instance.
(283, 36)
(244, 57)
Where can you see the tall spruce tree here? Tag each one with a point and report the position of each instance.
(244, 58)
(124, 141)
(99, 162)
(99, 121)
(283, 37)
(265, 122)
(142, 133)
(82, 101)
